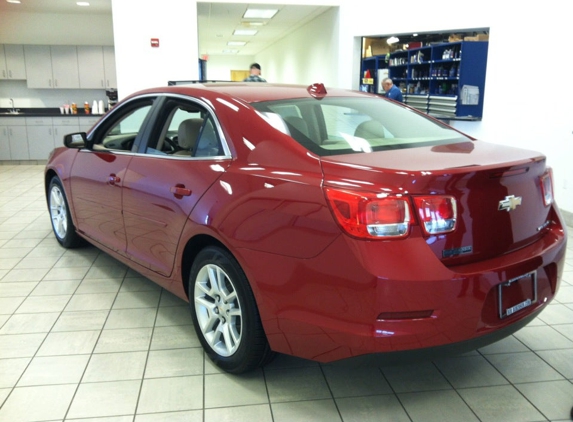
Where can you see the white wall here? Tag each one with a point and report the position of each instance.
(306, 56)
(527, 92)
(140, 66)
(55, 29)
(219, 66)
(51, 29)
(37, 98)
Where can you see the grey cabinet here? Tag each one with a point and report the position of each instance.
(65, 66)
(40, 136)
(38, 66)
(12, 63)
(63, 126)
(109, 65)
(13, 139)
(52, 67)
(91, 67)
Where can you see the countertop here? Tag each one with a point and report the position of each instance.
(43, 112)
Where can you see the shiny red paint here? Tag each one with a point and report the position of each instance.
(319, 291)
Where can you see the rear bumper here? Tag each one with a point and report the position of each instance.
(327, 308)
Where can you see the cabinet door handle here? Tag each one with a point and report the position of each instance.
(49, 82)
(10, 130)
(3, 73)
(10, 74)
(50, 131)
(55, 82)
(56, 131)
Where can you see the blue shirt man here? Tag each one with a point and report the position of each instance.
(392, 91)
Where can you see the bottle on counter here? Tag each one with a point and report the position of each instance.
(74, 108)
(87, 107)
(95, 109)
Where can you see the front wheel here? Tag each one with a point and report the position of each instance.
(62, 224)
(225, 313)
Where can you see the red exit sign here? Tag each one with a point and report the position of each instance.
(155, 42)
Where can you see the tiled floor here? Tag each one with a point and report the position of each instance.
(84, 338)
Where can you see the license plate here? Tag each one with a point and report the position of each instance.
(517, 294)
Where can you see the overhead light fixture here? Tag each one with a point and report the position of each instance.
(14, 1)
(392, 40)
(253, 23)
(260, 13)
(248, 32)
(82, 3)
(236, 43)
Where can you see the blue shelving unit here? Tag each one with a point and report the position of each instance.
(444, 80)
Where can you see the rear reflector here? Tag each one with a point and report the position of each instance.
(385, 316)
(547, 187)
(437, 213)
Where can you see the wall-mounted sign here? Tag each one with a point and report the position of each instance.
(155, 42)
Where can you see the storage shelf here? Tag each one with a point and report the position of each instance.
(414, 71)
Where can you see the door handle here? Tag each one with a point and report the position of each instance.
(112, 179)
(179, 191)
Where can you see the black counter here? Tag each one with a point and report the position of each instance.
(43, 112)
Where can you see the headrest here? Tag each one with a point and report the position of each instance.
(370, 129)
(188, 133)
(298, 123)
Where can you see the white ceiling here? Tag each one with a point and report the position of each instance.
(216, 21)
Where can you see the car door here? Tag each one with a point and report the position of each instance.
(97, 175)
(183, 157)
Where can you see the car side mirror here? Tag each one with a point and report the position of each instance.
(77, 140)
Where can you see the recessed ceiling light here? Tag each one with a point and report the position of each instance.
(236, 43)
(260, 13)
(251, 23)
(245, 32)
(14, 1)
(82, 3)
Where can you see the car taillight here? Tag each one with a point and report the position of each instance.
(547, 187)
(437, 213)
(370, 216)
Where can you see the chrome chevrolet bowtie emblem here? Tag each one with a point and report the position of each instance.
(509, 203)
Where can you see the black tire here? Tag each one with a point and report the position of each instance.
(225, 313)
(62, 223)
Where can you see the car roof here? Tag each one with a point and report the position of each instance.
(251, 92)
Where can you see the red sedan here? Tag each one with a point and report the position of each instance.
(321, 224)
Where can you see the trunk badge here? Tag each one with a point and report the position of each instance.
(509, 203)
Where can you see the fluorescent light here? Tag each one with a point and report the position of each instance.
(260, 13)
(14, 1)
(245, 32)
(82, 3)
(392, 40)
(236, 43)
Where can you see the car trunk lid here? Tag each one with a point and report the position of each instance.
(498, 192)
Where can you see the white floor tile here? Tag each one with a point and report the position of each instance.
(105, 399)
(86, 339)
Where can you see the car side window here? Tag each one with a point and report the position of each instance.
(122, 134)
(188, 130)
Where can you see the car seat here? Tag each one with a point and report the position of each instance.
(187, 135)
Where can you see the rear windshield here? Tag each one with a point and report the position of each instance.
(333, 126)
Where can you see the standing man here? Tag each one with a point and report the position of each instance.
(255, 75)
(392, 91)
